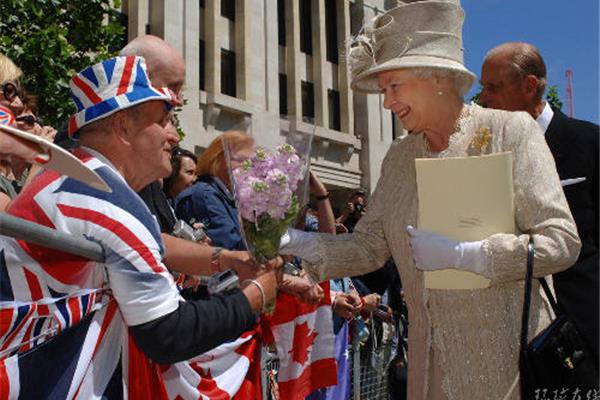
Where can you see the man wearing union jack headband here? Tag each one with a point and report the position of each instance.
(129, 303)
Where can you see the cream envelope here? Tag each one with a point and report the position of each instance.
(465, 199)
(61, 160)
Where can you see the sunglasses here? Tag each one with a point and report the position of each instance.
(28, 119)
(10, 91)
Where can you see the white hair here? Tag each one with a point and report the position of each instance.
(457, 79)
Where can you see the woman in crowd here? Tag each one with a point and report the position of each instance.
(463, 344)
(23, 107)
(182, 175)
(209, 200)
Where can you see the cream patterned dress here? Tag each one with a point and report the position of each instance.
(463, 345)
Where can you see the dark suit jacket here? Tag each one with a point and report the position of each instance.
(574, 144)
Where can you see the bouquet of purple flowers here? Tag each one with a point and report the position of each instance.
(269, 179)
(265, 186)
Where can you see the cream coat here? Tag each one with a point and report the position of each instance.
(464, 344)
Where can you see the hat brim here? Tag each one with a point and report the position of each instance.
(110, 106)
(367, 81)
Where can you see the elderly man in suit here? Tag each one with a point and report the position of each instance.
(513, 77)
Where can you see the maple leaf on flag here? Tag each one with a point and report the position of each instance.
(208, 386)
(303, 341)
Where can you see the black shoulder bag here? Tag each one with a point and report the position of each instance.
(557, 358)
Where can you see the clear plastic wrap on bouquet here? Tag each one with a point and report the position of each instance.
(270, 184)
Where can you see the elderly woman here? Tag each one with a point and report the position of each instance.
(463, 344)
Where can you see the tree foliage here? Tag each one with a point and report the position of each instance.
(51, 40)
(552, 97)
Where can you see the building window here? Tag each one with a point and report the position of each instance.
(228, 9)
(228, 72)
(305, 27)
(283, 104)
(331, 31)
(394, 127)
(202, 65)
(202, 3)
(333, 100)
(308, 101)
(281, 21)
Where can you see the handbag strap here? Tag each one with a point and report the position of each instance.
(558, 311)
(527, 298)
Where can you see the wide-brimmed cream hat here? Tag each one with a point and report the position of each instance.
(413, 35)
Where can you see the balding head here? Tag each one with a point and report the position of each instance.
(165, 64)
(513, 77)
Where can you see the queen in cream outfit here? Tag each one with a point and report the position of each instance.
(463, 344)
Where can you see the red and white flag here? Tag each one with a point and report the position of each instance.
(229, 371)
(305, 343)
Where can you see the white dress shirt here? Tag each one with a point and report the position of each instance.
(545, 117)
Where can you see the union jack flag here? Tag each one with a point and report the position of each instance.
(6, 117)
(112, 85)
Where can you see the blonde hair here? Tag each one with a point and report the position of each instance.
(8, 70)
(212, 159)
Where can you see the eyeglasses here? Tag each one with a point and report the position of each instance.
(10, 91)
(28, 119)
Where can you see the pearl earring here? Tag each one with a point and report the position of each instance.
(440, 93)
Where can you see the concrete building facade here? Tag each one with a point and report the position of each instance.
(271, 63)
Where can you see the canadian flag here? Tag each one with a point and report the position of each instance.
(229, 371)
(303, 335)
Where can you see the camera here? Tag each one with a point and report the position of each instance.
(183, 230)
(221, 282)
(359, 207)
(291, 269)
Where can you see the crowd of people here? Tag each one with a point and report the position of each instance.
(461, 344)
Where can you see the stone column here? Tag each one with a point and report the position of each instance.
(137, 14)
(292, 34)
(250, 50)
(167, 21)
(319, 60)
(346, 98)
(212, 47)
(271, 87)
(191, 118)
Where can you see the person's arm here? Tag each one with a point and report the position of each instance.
(198, 326)
(197, 259)
(326, 218)
(12, 146)
(328, 256)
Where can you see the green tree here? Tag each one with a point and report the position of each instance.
(51, 40)
(552, 97)
(475, 98)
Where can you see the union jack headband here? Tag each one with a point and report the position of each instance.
(110, 86)
(7, 117)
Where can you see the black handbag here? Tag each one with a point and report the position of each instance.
(557, 359)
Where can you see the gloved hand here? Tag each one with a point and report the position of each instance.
(299, 243)
(432, 251)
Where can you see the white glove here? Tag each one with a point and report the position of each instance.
(432, 251)
(299, 243)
